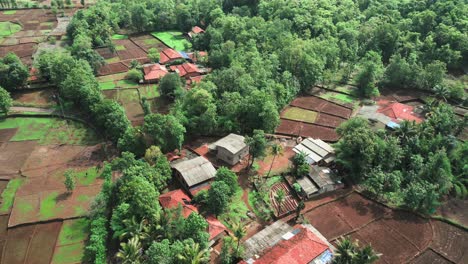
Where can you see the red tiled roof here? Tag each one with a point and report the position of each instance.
(196, 79)
(301, 248)
(33, 75)
(398, 111)
(194, 57)
(186, 68)
(174, 198)
(168, 55)
(197, 30)
(215, 227)
(154, 72)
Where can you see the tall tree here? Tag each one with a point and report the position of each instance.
(5, 100)
(165, 131)
(276, 149)
(257, 145)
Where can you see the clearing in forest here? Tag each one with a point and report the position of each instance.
(173, 39)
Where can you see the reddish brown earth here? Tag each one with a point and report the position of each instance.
(140, 41)
(429, 256)
(329, 120)
(13, 155)
(455, 209)
(296, 128)
(36, 98)
(7, 134)
(321, 105)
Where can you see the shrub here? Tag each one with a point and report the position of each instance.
(134, 75)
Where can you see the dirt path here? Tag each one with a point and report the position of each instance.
(31, 109)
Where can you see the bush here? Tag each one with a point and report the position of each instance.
(134, 75)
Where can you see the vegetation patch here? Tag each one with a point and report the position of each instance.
(173, 39)
(8, 194)
(73, 231)
(120, 47)
(151, 41)
(126, 84)
(149, 91)
(9, 12)
(70, 133)
(119, 36)
(86, 177)
(107, 85)
(299, 114)
(49, 206)
(236, 211)
(8, 28)
(28, 128)
(113, 60)
(69, 254)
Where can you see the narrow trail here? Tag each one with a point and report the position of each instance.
(31, 109)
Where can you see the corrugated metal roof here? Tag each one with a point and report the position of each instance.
(315, 149)
(324, 145)
(232, 142)
(312, 145)
(301, 148)
(307, 185)
(195, 171)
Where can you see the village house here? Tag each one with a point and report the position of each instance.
(176, 198)
(195, 31)
(194, 174)
(186, 70)
(231, 149)
(319, 180)
(168, 56)
(316, 151)
(154, 72)
(281, 243)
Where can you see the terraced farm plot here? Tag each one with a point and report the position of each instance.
(34, 98)
(173, 39)
(8, 28)
(299, 114)
(149, 41)
(130, 100)
(149, 91)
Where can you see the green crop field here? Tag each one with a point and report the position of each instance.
(299, 114)
(126, 84)
(120, 47)
(107, 85)
(69, 254)
(119, 36)
(8, 194)
(73, 231)
(86, 177)
(9, 12)
(50, 131)
(173, 39)
(149, 91)
(49, 208)
(8, 28)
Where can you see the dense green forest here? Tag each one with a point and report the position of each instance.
(262, 55)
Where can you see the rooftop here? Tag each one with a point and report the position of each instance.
(215, 227)
(195, 171)
(174, 198)
(197, 30)
(322, 176)
(289, 245)
(186, 68)
(168, 55)
(232, 142)
(154, 71)
(398, 111)
(316, 150)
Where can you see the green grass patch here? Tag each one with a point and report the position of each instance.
(8, 28)
(173, 39)
(120, 47)
(9, 12)
(28, 128)
(236, 211)
(86, 177)
(24, 207)
(8, 194)
(299, 114)
(112, 77)
(150, 91)
(127, 84)
(119, 36)
(70, 133)
(107, 85)
(69, 254)
(83, 198)
(73, 231)
(113, 60)
(49, 206)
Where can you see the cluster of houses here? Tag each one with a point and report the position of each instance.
(182, 63)
(195, 173)
(322, 177)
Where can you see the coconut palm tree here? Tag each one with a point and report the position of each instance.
(280, 196)
(406, 130)
(441, 92)
(130, 252)
(276, 149)
(193, 254)
(133, 228)
(366, 255)
(345, 251)
(239, 230)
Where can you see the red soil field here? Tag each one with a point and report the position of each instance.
(296, 128)
(147, 41)
(358, 210)
(329, 221)
(13, 155)
(430, 256)
(23, 51)
(113, 68)
(37, 98)
(320, 105)
(288, 205)
(7, 134)
(31, 243)
(329, 120)
(450, 241)
(289, 127)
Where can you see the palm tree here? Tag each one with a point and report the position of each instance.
(299, 208)
(406, 130)
(239, 230)
(441, 92)
(194, 255)
(280, 196)
(366, 255)
(345, 251)
(133, 228)
(130, 252)
(276, 149)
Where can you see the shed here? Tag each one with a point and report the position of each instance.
(316, 150)
(154, 72)
(169, 55)
(194, 172)
(186, 70)
(231, 149)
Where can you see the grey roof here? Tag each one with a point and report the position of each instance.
(315, 149)
(232, 142)
(266, 238)
(195, 171)
(307, 185)
(322, 176)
